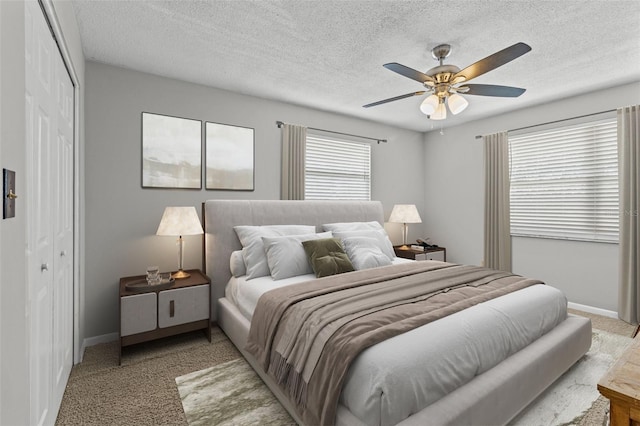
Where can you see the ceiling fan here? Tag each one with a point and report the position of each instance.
(445, 82)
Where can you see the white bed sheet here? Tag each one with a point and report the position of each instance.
(245, 293)
(396, 378)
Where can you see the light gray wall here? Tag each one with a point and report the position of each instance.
(122, 217)
(14, 318)
(15, 359)
(586, 272)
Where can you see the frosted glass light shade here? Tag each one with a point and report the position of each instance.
(457, 103)
(429, 105)
(405, 213)
(440, 113)
(180, 221)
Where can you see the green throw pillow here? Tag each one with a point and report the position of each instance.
(327, 257)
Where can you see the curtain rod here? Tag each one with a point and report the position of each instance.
(280, 124)
(556, 121)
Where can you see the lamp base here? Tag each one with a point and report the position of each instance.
(180, 274)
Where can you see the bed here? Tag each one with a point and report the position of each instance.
(494, 396)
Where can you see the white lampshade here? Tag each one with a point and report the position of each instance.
(405, 213)
(457, 103)
(440, 113)
(429, 105)
(178, 221)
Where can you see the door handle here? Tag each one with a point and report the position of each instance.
(63, 253)
(172, 309)
(44, 267)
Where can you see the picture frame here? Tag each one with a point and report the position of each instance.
(229, 157)
(171, 152)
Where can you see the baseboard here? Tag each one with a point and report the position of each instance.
(592, 310)
(96, 340)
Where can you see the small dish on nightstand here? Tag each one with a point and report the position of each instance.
(141, 285)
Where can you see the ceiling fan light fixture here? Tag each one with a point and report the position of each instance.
(457, 103)
(429, 105)
(440, 113)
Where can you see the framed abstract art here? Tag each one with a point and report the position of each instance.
(229, 157)
(171, 152)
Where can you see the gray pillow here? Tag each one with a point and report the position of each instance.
(384, 243)
(286, 256)
(236, 264)
(365, 253)
(253, 248)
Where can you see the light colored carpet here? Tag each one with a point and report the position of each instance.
(143, 390)
(232, 394)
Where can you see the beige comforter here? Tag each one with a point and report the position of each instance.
(306, 335)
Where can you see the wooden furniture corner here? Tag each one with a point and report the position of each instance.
(621, 385)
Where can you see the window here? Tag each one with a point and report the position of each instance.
(337, 169)
(564, 182)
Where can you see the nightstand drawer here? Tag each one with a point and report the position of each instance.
(183, 305)
(434, 255)
(138, 313)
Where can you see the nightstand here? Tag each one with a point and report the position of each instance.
(151, 315)
(436, 253)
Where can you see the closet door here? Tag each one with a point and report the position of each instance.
(62, 216)
(49, 171)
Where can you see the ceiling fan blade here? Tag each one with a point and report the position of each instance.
(408, 95)
(409, 72)
(492, 62)
(492, 90)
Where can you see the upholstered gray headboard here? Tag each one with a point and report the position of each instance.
(220, 216)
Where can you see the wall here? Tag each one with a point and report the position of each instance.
(15, 360)
(586, 272)
(122, 217)
(14, 318)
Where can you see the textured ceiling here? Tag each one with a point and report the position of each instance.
(329, 54)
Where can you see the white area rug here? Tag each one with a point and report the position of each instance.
(232, 394)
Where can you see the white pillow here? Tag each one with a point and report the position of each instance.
(286, 256)
(384, 243)
(364, 253)
(253, 249)
(236, 264)
(352, 226)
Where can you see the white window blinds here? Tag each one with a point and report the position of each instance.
(564, 182)
(337, 169)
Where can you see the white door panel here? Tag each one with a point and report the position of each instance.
(63, 232)
(49, 181)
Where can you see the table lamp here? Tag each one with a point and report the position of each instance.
(179, 221)
(405, 213)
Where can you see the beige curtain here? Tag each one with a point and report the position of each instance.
(497, 227)
(294, 142)
(629, 187)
